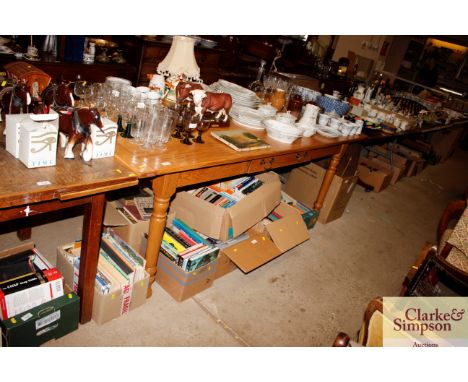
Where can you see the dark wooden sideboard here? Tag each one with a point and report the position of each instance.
(69, 70)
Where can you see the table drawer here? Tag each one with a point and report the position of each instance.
(269, 163)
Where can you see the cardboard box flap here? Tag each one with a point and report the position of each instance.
(112, 217)
(189, 212)
(288, 231)
(252, 252)
(257, 204)
(17, 249)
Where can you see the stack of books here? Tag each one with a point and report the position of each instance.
(187, 248)
(119, 268)
(227, 194)
(137, 207)
(285, 198)
(27, 280)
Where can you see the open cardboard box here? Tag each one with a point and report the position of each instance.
(267, 241)
(397, 160)
(382, 161)
(374, 173)
(105, 306)
(132, 233)
(225, 223)
(304, 184)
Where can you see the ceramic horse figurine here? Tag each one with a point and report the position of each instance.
(75, 127)
(15, 99)
(59, 97)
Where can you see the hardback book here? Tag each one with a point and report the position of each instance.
(240, 140)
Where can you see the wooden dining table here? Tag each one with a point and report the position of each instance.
(179, 165)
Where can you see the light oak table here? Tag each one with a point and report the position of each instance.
(27, 192)
(179, 165)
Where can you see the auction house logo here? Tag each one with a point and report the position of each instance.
(425, 321)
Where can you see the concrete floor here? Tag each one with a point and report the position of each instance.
(304, 297)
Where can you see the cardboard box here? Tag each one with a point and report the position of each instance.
(267, 241)
(180, 284)
(13, 123)
(105, 306)
(416, 166)
(445, 142)
(225, 223)
(374, 174)
(131, 232)
(396, 160)
(25, 299)
(12, 132)
(310, 216)
(348, 163)
(104, 139)
(54, 319)
(304, 184)
(38, 144)
(383, 161)
(224, 266)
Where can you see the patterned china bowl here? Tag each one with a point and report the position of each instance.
(330, 104)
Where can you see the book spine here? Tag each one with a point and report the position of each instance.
(178, 238)
(202, 259)
(127, 248)
(184, 236)
(173, 242)
(76, 273)
(3, 307)
(22, 282)
(126, 284)
(190, 232)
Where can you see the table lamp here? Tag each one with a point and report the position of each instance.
(179, 64)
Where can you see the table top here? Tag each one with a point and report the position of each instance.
(178, 157)
(378, 135)
(69, 178)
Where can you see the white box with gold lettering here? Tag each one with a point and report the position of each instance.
(12, 132)
(38, 144)
(12, 128)
(104, 139)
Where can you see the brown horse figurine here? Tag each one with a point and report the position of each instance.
(15, 99)
(76, 127)
(59, 97)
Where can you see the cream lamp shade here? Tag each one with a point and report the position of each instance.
(180, 61)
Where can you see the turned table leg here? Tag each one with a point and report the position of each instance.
(327, 179)
(163, 187)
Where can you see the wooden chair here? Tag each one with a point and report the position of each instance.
(442, 269)
(371, 332)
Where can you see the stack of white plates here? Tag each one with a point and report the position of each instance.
(248, 117)
(240, 96)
